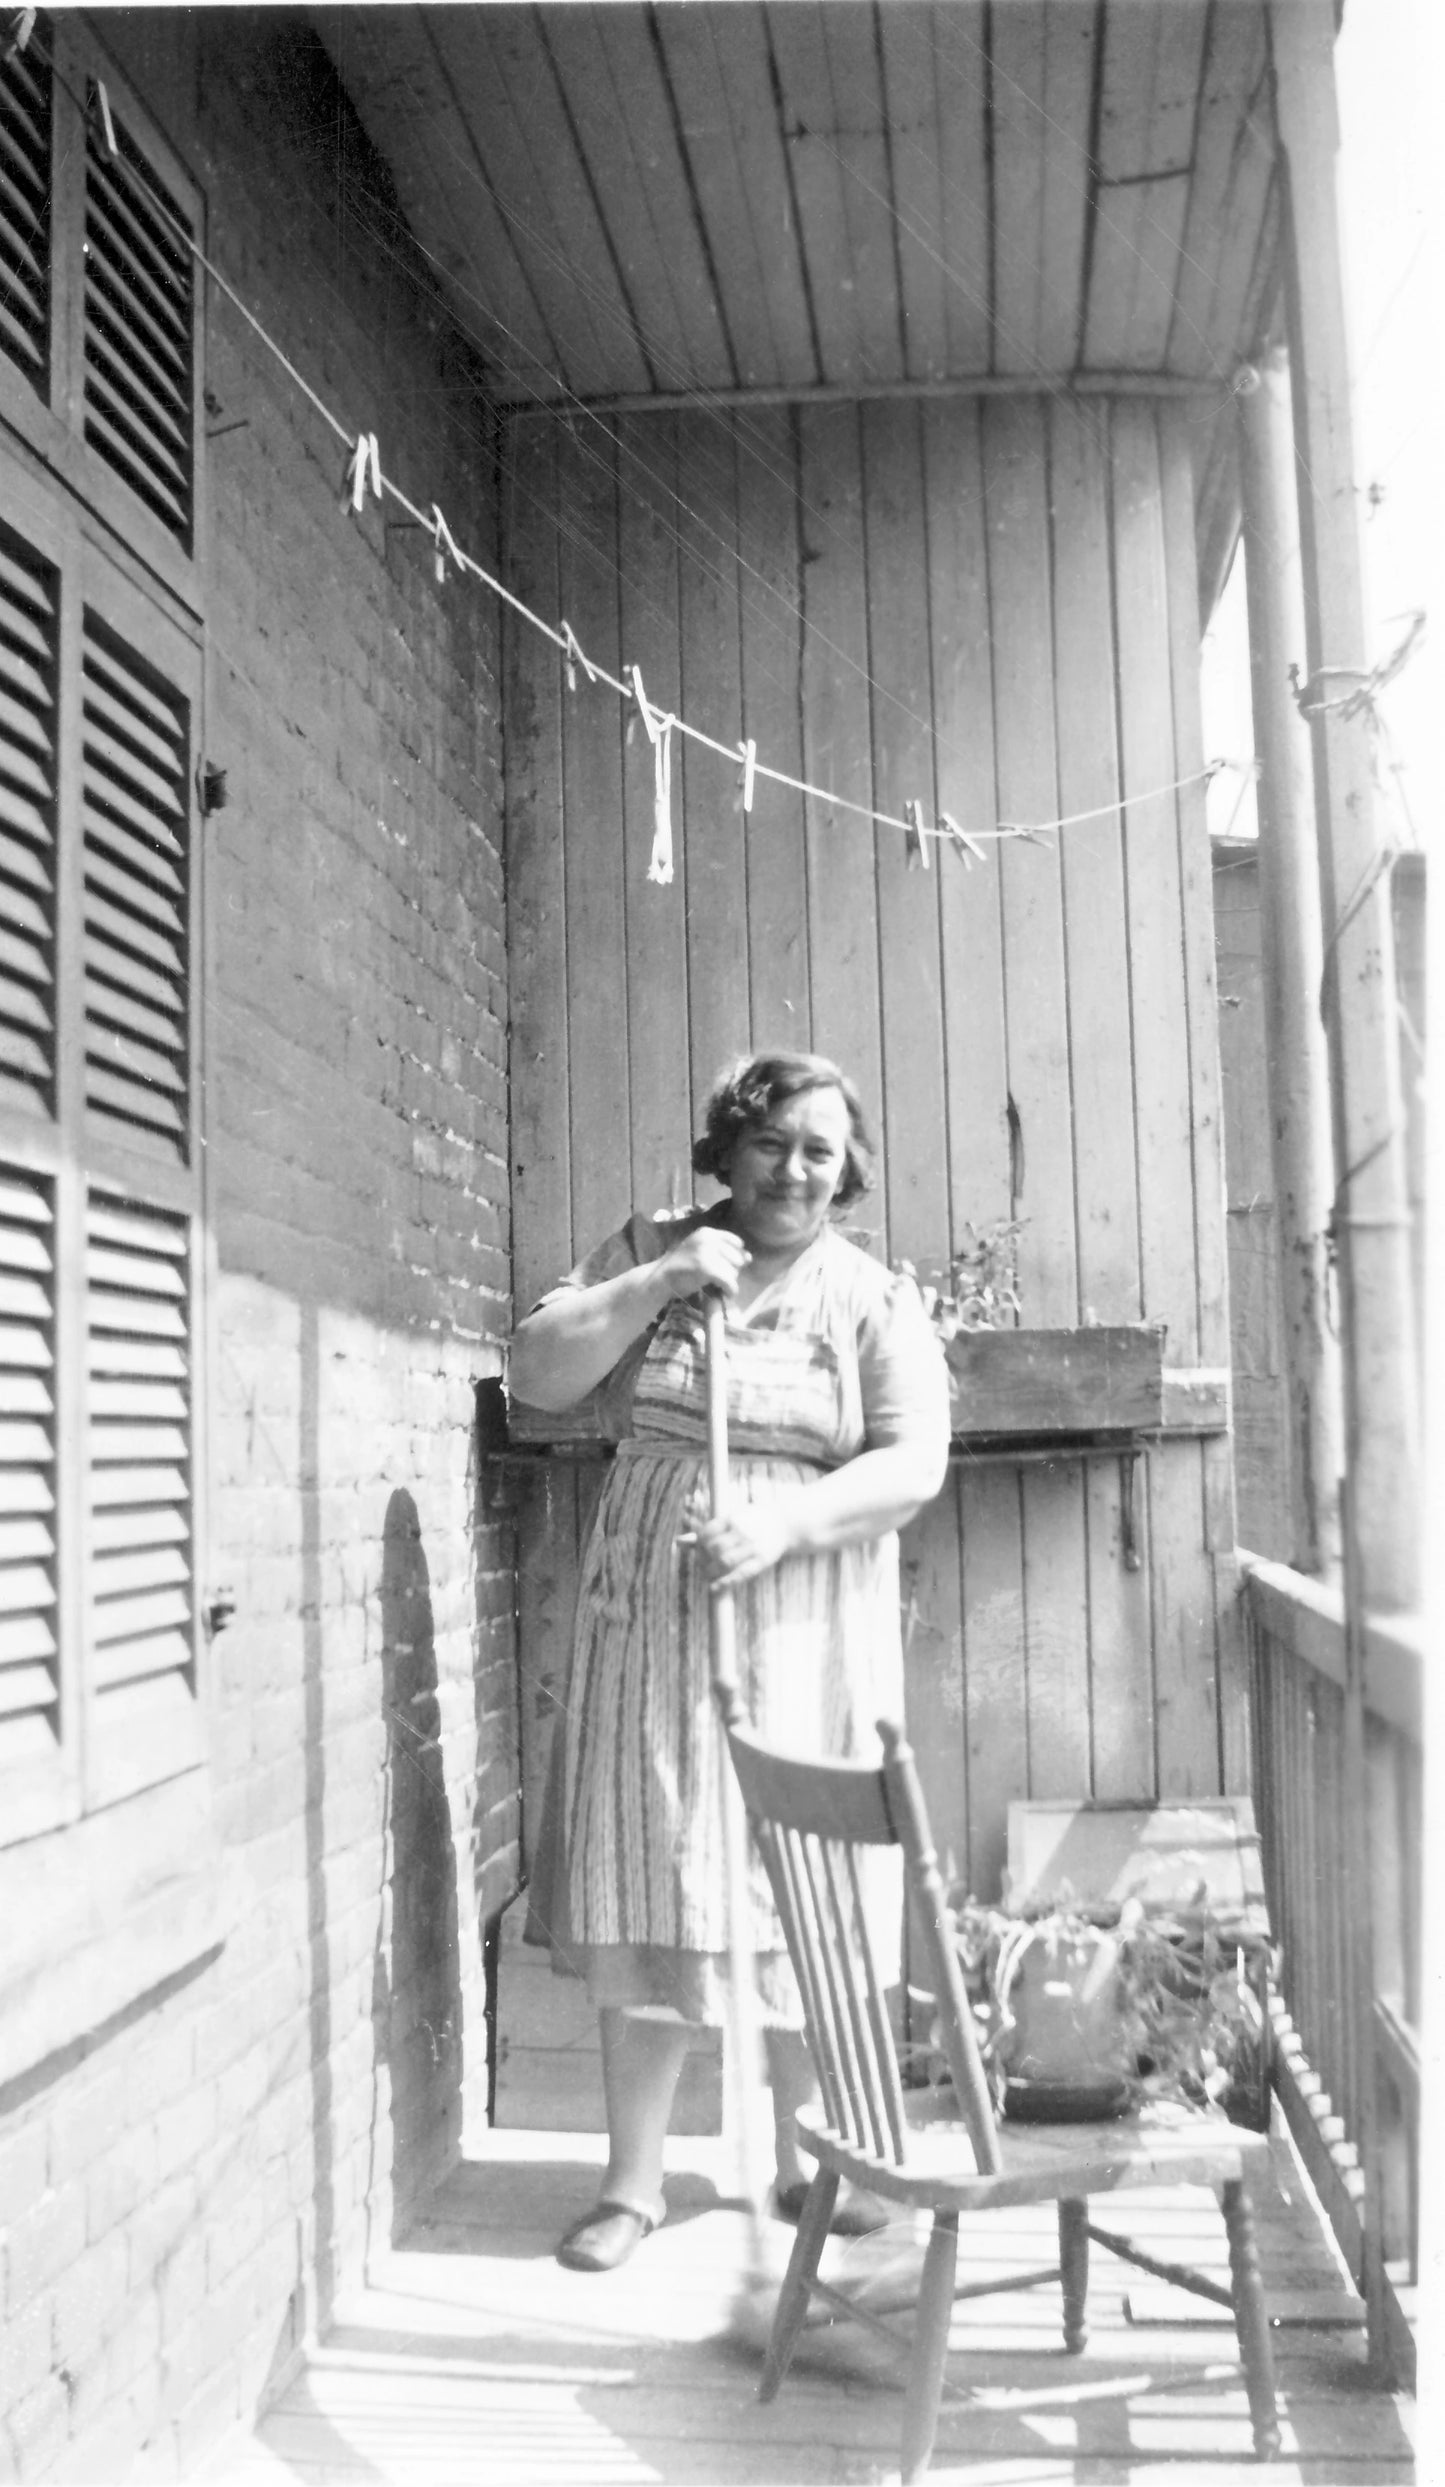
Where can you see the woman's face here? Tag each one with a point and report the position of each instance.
(785, 1171)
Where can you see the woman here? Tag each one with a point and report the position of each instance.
(838, 1430)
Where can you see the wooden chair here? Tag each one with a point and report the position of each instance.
(810, 1820)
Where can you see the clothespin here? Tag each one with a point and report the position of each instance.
(573, 656)
(446, 543)
(915, 845)
(101, 102)
(748, 752)
(659, 734)
(21, 28)
(967, 849)
(363, 471)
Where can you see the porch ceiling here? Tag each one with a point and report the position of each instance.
(716, 196)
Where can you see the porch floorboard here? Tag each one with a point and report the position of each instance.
(469, 2355)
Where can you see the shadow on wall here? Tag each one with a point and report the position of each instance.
(419, 2010)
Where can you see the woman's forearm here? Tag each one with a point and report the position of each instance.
(877, 1491)
(564, 1348)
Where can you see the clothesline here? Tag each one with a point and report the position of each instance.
(366, 476)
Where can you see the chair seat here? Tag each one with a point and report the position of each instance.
(1042, 2162)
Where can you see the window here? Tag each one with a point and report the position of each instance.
(100, 1157)
(98, 292)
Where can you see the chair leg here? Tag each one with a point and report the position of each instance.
(1074, 2270)
(1250, 2319)
(930, 2345)
(798, 2279)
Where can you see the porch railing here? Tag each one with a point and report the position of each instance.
(1317, 1788)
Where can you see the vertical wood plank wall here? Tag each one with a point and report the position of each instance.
(987, 606)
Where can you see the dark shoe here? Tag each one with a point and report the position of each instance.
(605, 2237)
(856, 2215)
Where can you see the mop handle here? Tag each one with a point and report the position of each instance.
(720, 1604)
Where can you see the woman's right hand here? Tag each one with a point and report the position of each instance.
(711, 1256)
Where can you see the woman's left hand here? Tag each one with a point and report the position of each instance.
(745, 1543)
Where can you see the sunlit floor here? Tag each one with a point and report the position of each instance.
(471, 2357)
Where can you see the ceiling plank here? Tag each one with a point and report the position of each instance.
(960, 68)
(1150, 88)
(910, 92)
(809, 118)
(403, 95)
(850, 33)
(1042, 88)
(1138, 230)
(609, 68)
(718, 69)
(511, 99)
(1234, 67)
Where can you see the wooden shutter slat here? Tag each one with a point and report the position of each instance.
(24, 732)
(101, 872)
(22, 770)
(118, 445)
(130, 933)
(109, 1052)
(24, 1348)
(110, 1222)
(138, 723)
(153, 1274)
(25, 1589)
(124, 372)
(150, 1569)
(142, 856)
(147, 1401)
(23, 1299)
(32, 595)
(124, 239)
(26, 670)
(22, 1056)
(135, 697)
(25, 1539)
(152, 1320)
(25, 1688)
(131, 1618)
(24, 1443)
(26, 1636)
(114, 766)
(119, 397)
(28, 961)
(134, 1445)
(21, 862)
(131, 1101)
(25, 1490)
(113, 1531)
(28, 818)
(102, 960)
(113, 1487)
(151, 1653)
(24, 1394)
(158, 1357)
(110, 1006)
(25, 213)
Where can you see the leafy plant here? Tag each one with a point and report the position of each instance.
(1155, 2004)
(977, 1288)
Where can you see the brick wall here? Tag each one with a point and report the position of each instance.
(183, 2190)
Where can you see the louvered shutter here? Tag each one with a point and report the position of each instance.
(29, 1637)
(140, 1456)
(135, 793)
(26, 210)
(138, 328)
(29, 641)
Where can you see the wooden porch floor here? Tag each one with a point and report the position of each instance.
(471, 2357)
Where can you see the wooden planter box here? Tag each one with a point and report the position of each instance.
(1057, 1381)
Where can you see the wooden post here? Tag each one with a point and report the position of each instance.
(1371, 1201)
(1371, 1215)
(1297, 1059)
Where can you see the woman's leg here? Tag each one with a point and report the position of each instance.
(794, 2085)
(641, 2062)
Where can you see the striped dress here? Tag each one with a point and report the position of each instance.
(834, 1357)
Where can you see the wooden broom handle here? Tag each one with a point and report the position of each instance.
(720, 1601)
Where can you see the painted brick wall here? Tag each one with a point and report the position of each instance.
(183, 2192)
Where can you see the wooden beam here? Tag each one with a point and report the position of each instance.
(851, 392)
(1371, 1209)
(1296, 1054)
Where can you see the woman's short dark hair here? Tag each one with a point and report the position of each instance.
(744, 1095)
